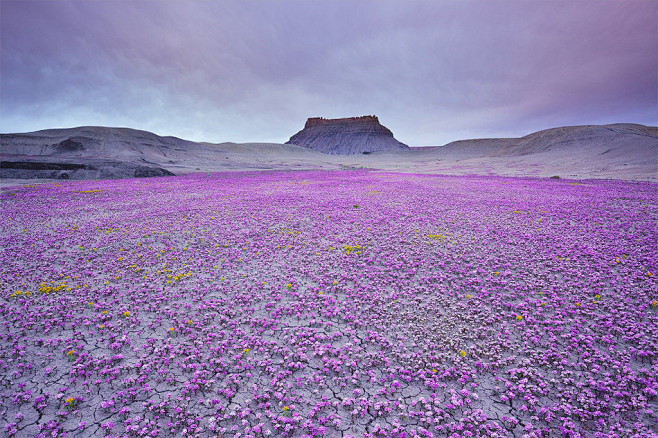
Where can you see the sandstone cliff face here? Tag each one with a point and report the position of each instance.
(349, 136)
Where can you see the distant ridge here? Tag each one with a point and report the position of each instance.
(619, 151)
(347, 136)
(577, 140)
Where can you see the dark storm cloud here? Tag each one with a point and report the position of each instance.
(254, 70)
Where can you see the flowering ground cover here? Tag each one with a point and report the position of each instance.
(351, 303)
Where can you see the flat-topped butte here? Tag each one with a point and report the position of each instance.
(346, 136)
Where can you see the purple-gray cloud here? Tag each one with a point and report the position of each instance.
(254, 70)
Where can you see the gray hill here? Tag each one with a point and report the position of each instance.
(636, 142)
(620, 151)
(348, 136)
(97, 152)
(93, 142)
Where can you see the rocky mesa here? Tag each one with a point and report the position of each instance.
(347, 136)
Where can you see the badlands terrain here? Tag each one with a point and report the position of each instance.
(621, 151)
(270, 290)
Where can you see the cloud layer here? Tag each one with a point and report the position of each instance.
(255, 70)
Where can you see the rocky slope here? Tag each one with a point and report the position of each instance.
(50, 168)
(349, 136)
(87, 152)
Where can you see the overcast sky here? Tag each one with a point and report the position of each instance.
(244, 70)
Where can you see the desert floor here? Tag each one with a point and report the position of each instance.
(329, 303)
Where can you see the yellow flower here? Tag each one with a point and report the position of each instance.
(104, 312)
(335, 282)
(101, 327)
(289, 285)
(597, 297)
(70, 353)
(171, 330)
(468, 296)
(245, 351)
(654, 303)
(69, 400)
(434, 371)
(286, 408)
(190, 322)
(519, 317)
(126, 314)
(462, 353)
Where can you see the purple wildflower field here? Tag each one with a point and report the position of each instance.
(337, 304)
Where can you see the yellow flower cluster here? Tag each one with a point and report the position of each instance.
(352, 248)
(43, 288)
(18, 293)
